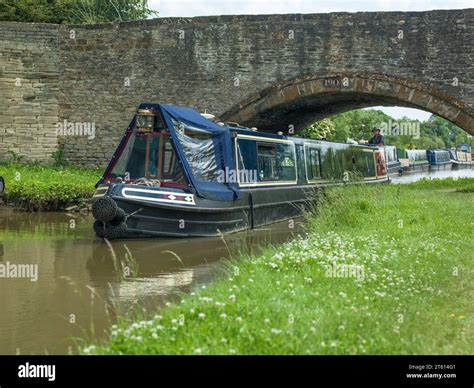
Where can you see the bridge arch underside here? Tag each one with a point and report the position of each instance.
(301, 102)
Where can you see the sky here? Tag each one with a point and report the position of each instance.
(229, 7)
(189, 8)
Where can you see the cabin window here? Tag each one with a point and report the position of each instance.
(267, 162)
(150, 156)
(286, 161)
(313, 163)
(333, 162)
(198, 147)
(276, 162)
(168, 156)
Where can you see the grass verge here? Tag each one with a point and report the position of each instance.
(36, 187)
(383, 270)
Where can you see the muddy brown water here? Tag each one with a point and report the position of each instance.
(45, 316)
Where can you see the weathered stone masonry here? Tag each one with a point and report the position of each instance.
(29, 88)
(269, 71)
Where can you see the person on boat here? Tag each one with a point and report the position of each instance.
(377, 139)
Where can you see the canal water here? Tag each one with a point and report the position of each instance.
(79, 287)
(463, 173)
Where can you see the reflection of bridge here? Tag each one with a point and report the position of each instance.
(268, 71)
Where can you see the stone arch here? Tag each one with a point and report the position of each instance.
(304, 100)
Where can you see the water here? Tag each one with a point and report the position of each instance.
(463, 173)
(45, 316)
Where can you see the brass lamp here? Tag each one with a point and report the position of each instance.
(145, 122)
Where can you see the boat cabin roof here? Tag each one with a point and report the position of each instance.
(295, 139)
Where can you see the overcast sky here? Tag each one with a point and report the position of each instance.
(177, 8)
(230, 7)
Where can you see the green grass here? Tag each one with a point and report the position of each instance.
(459, 184)
(35, 187)
(412, 244)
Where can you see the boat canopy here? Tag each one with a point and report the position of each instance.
(203, 148)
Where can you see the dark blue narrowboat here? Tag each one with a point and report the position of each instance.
(176, 173)
(439, 160)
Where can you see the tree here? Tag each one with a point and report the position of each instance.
(319, 130)
(358, 124)
(95, 11)
(74, 11)
(452, 135)
(436, 132)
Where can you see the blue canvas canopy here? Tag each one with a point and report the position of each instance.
(201, 160)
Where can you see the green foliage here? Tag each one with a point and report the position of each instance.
(435, 133)
(14, 157)
(74, 11)
(59, 157)
(407, 239)
(357, 124)
(444, 131)
(319, 130)
(35, 187)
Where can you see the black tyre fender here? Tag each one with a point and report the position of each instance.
(112, 232)
(99, 228)
(120, 217)
(104, 209)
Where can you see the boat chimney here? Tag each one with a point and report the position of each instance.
(208, 116)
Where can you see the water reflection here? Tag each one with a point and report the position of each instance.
(78, 280)
(464, 173)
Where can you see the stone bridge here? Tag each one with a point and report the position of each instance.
(273, 72)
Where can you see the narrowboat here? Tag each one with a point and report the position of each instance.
(461, 157)
(440, 160)
(177, 173)
(393, 164)
(413, 161)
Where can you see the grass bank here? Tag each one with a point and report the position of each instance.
(36, 187)
(383, 270)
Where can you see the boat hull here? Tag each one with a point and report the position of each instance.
(416, 168)
(206, 218)
(462, 165)
(441, 167)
